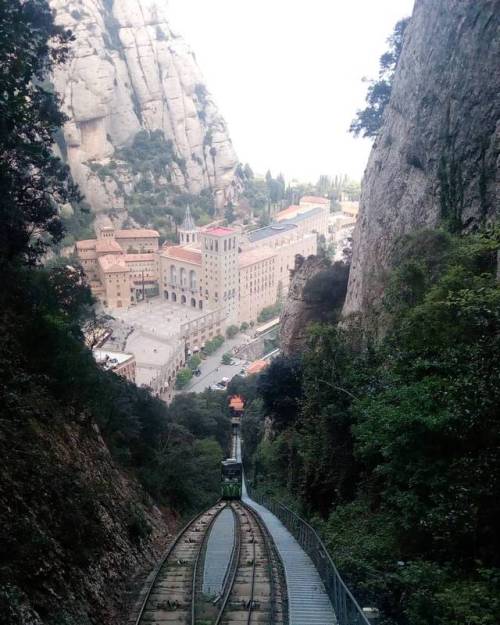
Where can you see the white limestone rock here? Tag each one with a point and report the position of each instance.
(128, 72)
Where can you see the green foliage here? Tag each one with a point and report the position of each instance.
(183, 378)
(31, 46)
(227, 358)
(244, 327)
(280, 387)
(232, 331)
(194, 362)
(269, 312)
(326, 291)
(65, 503)
(369, 120)
(213, 345)
(395, 445)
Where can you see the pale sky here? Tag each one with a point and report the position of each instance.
(286, 75)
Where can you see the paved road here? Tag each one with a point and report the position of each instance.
(212, 371)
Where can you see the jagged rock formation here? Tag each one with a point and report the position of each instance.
(129, 71)
(75, 529)
(316, 294)
(437, 155)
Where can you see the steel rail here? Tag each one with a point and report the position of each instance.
(165, 557)
(197, 561)
(274, 560)
(252, 592)
(232, 570)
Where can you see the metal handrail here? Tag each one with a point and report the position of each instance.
(347, 609)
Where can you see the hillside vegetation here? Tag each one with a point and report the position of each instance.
(392, 448)
(88, 459)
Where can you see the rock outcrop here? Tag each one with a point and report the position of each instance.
(129, 71)
(76, 530)
(316, 294)
(436, 158)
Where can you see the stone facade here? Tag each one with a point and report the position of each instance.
(117, 277)
(217, 270)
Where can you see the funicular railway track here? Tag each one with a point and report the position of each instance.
(254, 590)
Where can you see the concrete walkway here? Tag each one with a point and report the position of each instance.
(307, 599)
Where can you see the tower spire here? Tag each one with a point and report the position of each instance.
(188, 232)
(188, 223)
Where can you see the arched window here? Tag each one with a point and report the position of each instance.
(183, 276)
(174, 297)
(187, 238)
(192, 280)
(200, 304)
(193, 302)
(183, 299)
(173, 274)
(166, 294)
(225, 245)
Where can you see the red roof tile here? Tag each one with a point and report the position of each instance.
(220, 231)
(130, 258)
(108, 245)
(87, 244)
(137, 233)
(178, 252)
(314, 199)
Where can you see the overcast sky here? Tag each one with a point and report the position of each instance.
(286, 75)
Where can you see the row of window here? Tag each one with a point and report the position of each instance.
(213, 245)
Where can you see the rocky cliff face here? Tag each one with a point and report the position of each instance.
(75, 529)
(129, 71)
(436, 159)
(316, 294)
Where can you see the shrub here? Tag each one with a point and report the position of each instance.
(244, 327)
(269, 312)
(232, 331)
(227, 358)
(194, 362)
(183, 378)
(214, 344)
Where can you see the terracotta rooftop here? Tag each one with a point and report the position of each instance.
(287, 212)
(113, 264)
(220, 231)
(257, 366)
(314, 199)
(130, 258)
(250, 257)
(137, 233)
(179, 252)
(108, 246)
(87, 244)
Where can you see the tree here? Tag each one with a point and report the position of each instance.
(232, 331)
(227, 358)
(280, 387)
(33, 181)
(229, 214)
(369, 120)
(183, 378)
(194, 362)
